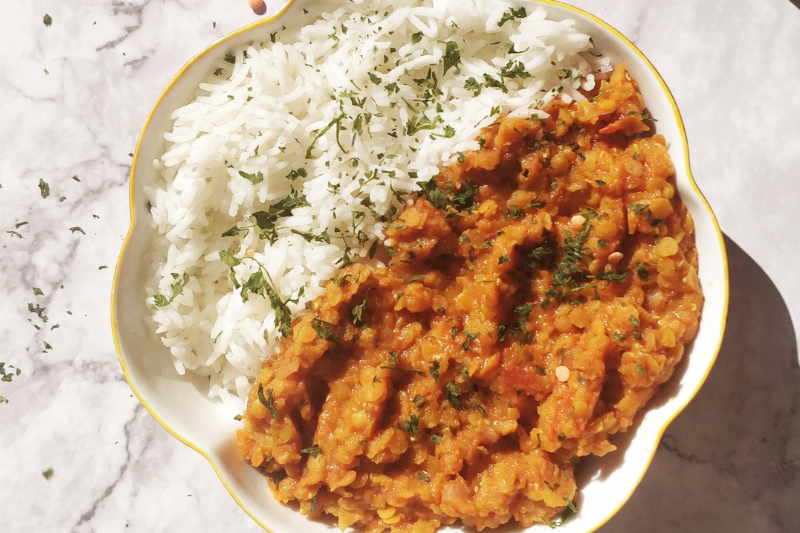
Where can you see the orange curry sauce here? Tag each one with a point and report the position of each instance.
(539, 291)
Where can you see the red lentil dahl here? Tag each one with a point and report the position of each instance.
(540, 290)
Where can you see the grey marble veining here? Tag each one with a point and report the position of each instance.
(73, 97)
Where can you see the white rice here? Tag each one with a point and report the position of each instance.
(263, 111)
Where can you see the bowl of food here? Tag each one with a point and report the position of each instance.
(420, 266)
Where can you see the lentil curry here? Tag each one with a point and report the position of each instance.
(539, 291)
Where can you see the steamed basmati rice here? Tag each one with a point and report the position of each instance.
(351, 107)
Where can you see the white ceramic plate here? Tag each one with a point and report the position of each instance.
(181, 405)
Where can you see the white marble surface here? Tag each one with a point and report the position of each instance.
(731, 462)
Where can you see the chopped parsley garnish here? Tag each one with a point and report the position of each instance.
(358, 310)
(410, 425)
(266, 220)
(449, 133)
(267, 401)
(324, 330)
(503, 259)
(473, 85)
(452, 57)
(417, 37)
(612, 276)
(421, 122)
(44, 188)
(335, 122)
(641, 271)
(422, 476)
(37, 291)
(475, 406)
(48, 21)
(637, 209)
(640, 369)
(48, 474)
(435, 371)
(512, 14)
(313, 505)
(514, 69)
(470, 337)
(313, 451)
(73, 229)
(177, 288)
(494, 83)
(255, 179)
(436, 438)
(454, 395)
(634, 321)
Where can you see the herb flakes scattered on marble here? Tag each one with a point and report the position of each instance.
(44, 188)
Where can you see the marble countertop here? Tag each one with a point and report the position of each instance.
(73, 97)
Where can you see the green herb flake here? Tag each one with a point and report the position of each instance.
(416, 38)
(229, 259)
(48, 474)
(434, 369)
(48, 21)
(313, 451)
(422, 476)
(473, 85)
(512, 14)
(470, 337)
(44, 188)
(637, 209)
(267, 401)
(358, 310)
(74, 229)
(410, 426)
(436, 438)
(640, 369)
(454, 395)
(324, 330)
(634, 321)
(255, 179)
(452, 57)
(514, 69)
(37, 291)
(177, 288)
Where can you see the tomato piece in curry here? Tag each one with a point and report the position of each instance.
(539, 291)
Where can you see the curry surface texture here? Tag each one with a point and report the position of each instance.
(539, 291)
